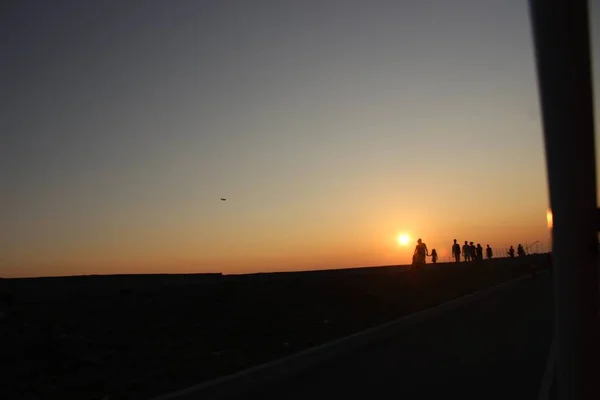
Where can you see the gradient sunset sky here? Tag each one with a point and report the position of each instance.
(331, 127)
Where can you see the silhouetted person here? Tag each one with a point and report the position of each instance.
(520, 250)
(420, 252)
(479, 252)
(466, 251)
(473, 251)
(488, 252)
(511, 252)
(434, 256)
(456, 251)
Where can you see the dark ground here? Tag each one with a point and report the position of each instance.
(495, 348)
(134, 337)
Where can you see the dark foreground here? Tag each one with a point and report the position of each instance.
(492, 349)
(136, 337)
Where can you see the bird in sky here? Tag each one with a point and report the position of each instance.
(223, 199)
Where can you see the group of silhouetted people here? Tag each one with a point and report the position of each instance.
(421, 252)
(470, 251)
(520, 251)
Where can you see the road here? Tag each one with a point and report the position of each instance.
(492, 349)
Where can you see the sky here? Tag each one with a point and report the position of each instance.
(331, 127)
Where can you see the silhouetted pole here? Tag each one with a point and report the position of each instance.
(560, 33)
(530, 246)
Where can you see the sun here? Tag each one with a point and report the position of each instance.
(403, 239)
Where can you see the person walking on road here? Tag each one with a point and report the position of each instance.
(466, 249)
(511, 252)
(420, 253)
(479, 252)
(434, 256)
(456, 251)
(488, 252)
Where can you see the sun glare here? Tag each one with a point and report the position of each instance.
(549, 218)
(403, 239)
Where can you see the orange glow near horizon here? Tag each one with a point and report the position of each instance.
(268, 248)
